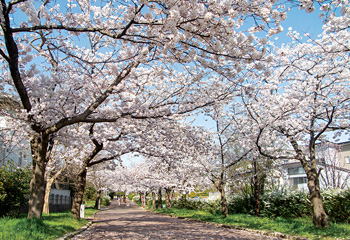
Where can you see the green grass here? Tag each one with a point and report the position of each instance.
(299, 227)
(89, 208)
(50, 226)
(89, 203)
(89, 212)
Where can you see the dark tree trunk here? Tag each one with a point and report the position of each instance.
(167, 198)
(154, 200)
(320, 218)
(97, 201)
(224, 209)
(160, 198)
(256, 195)
(79, 193)
(37, 183)
(80, 182)
(256, 190)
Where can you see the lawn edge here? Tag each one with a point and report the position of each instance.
(80, 230)
(76, 232)
(262, 232)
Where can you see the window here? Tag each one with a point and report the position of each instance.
(296, 171)
(299, 180)
(347, 159)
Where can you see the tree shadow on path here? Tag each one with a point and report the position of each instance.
(132, 222)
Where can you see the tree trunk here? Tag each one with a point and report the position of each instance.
(154, 200)
(80, 182)
(320, 217)
(79, 193)
(256, 195)
(97, 201)
(224, 209)
(37, 183)
(160, 198)
(49, 183)
(256, 190)
(167, 198)
(46, 208)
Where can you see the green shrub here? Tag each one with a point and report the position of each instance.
(182, 203)
(241, 203)
(337, 205)
(293, 204)
(106, 201)
(111, 194)
(286, 204)
(90, 192)
(273, 204)
(187, 204)
(131, 196)
(149, 204)
(14, 189)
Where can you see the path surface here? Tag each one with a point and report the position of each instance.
(132, 222)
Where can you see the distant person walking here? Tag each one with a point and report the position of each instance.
(124, 199)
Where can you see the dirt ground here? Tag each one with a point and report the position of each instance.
(128, 221)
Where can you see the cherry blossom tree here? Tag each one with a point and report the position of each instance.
(227, 150)
(101, 176)
(93, 152)
(83, 61)
(102, 143)
(171, 154)
(295, 105)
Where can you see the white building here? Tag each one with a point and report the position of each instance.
(333, 158)
(12, 149)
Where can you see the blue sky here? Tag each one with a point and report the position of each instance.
(301, 22)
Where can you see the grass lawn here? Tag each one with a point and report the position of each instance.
(89, 203)
(50, 226)
(299, 227)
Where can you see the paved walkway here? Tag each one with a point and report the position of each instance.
(132, 222)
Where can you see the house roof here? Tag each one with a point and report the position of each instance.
(344, 143)
(336, 143)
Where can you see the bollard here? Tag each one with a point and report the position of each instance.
(82, 211)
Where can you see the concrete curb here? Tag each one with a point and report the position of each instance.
(265, 233)
(80, 230)
(72, 234)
